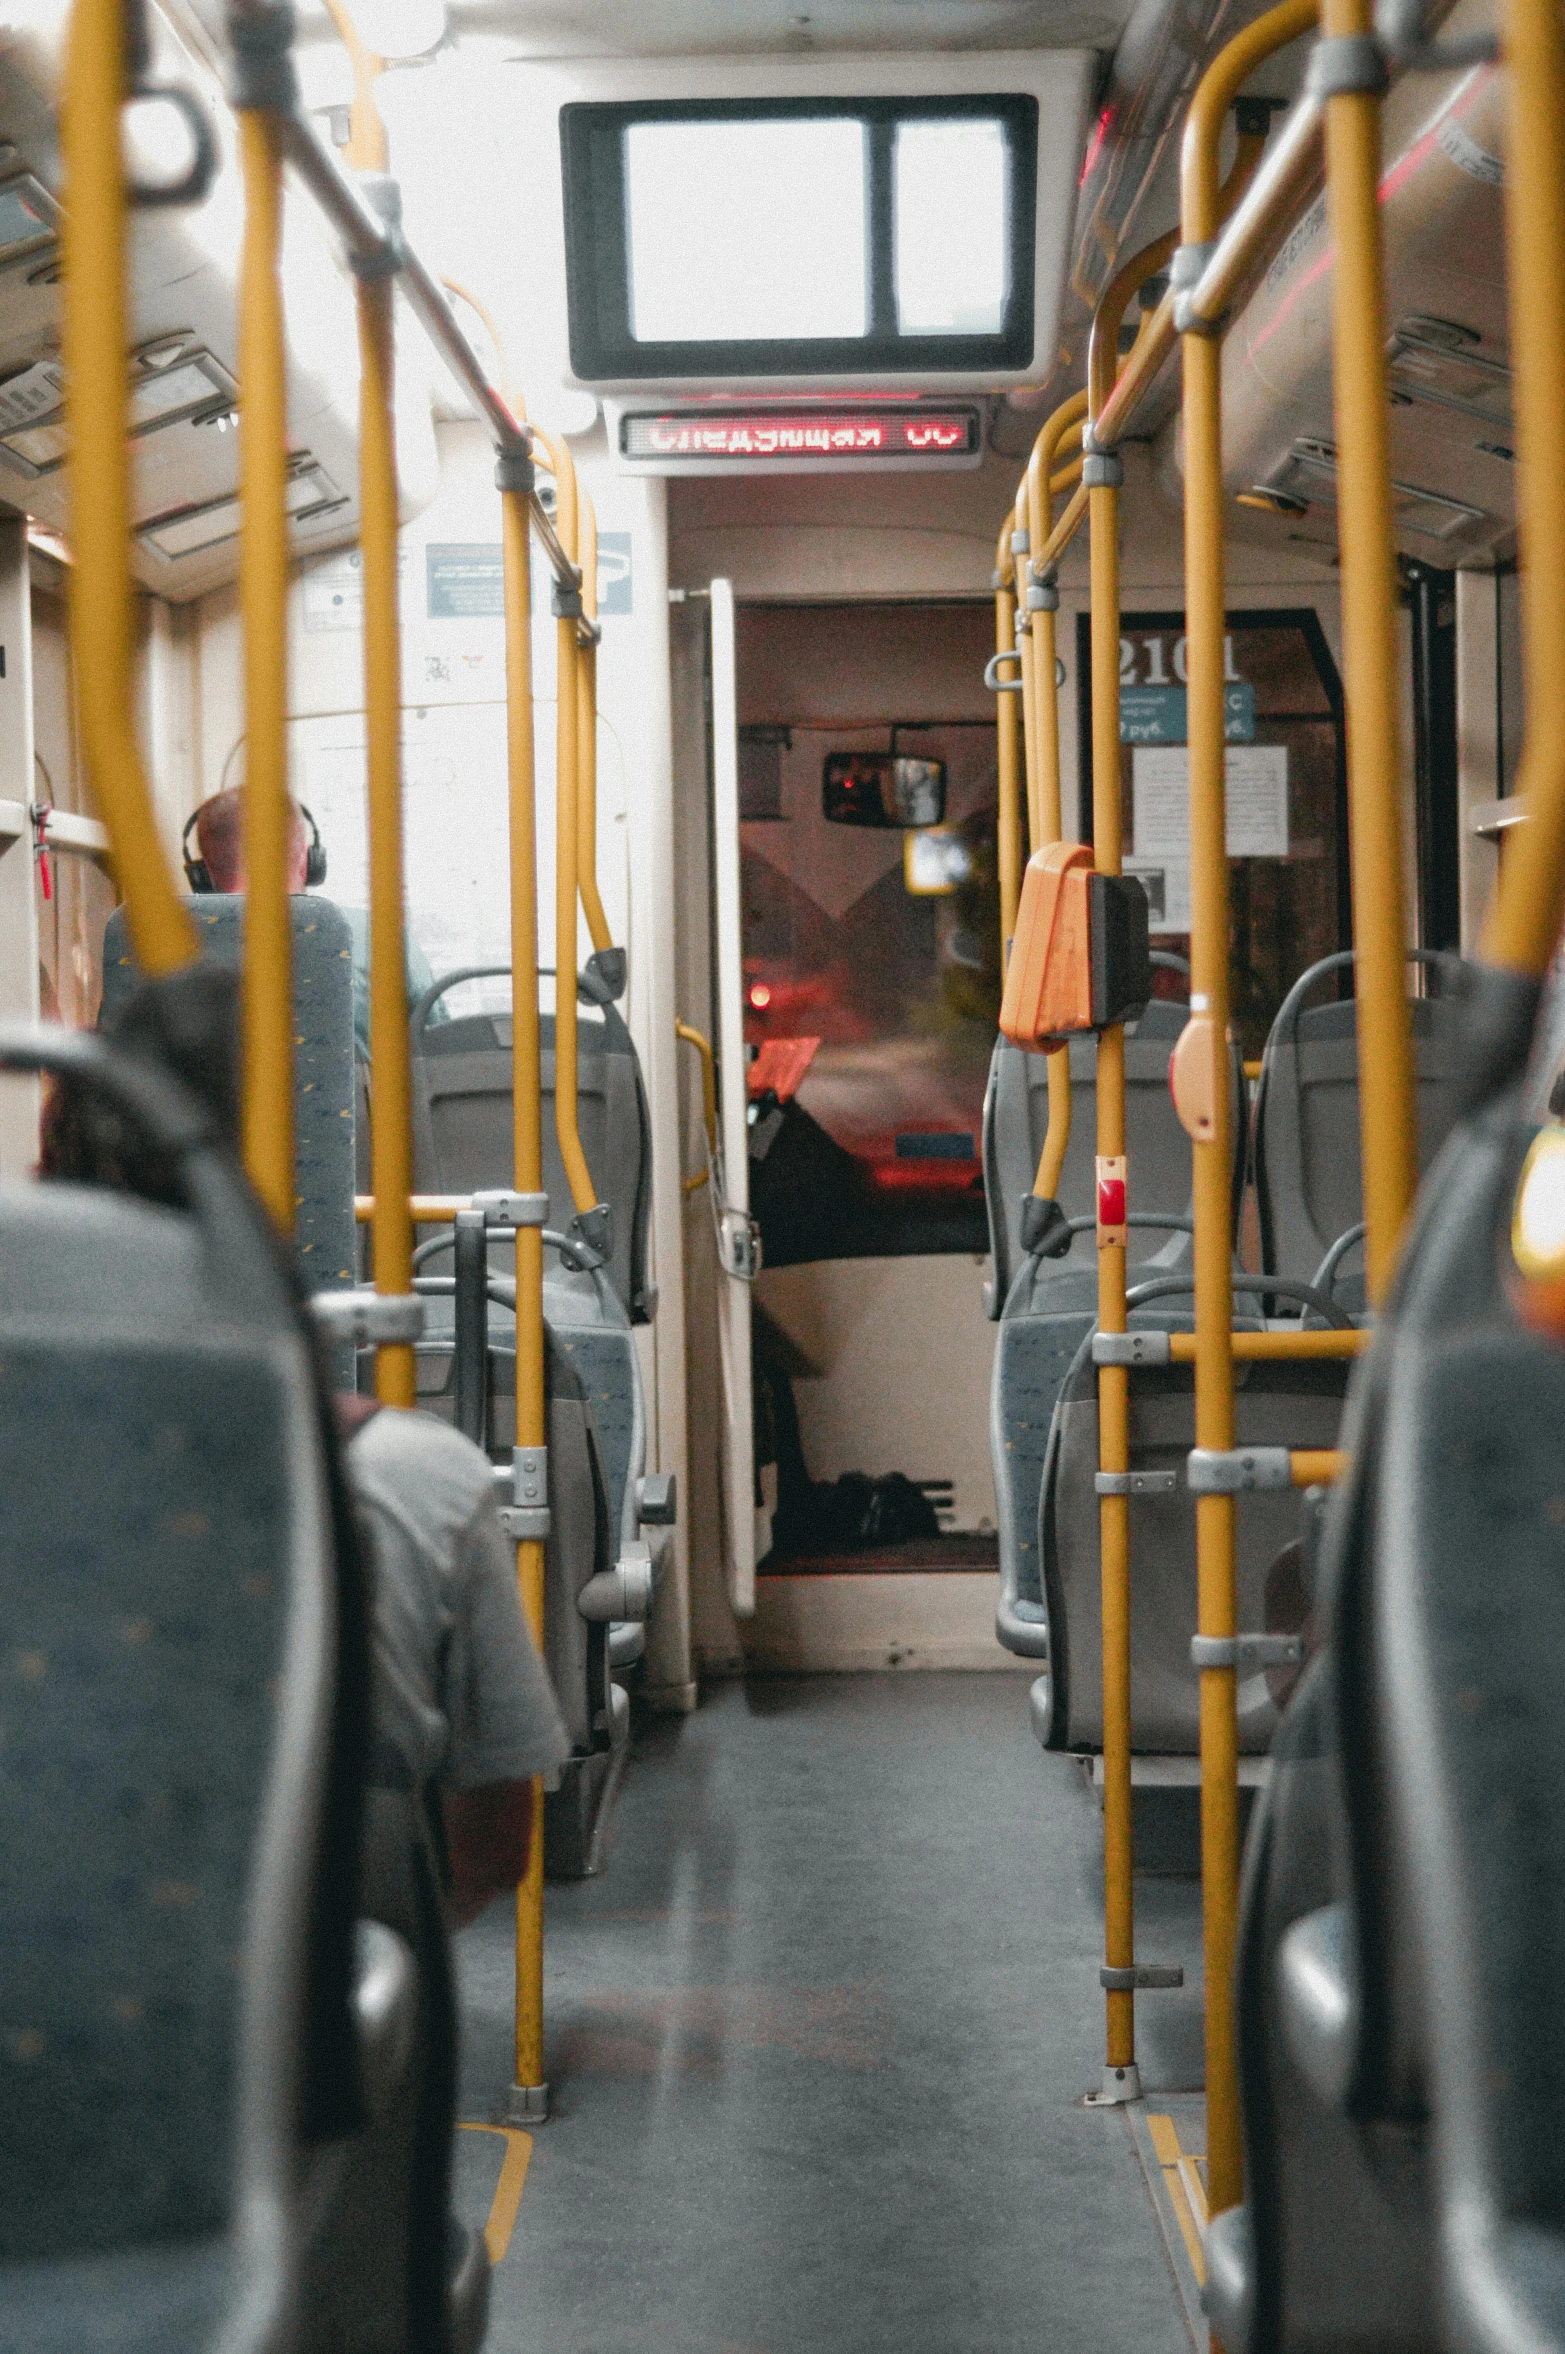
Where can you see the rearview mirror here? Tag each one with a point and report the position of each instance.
(882, 789)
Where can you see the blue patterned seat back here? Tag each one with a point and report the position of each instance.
(144, 1546)
(323, 1062)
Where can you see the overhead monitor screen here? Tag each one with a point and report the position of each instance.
(791, 237)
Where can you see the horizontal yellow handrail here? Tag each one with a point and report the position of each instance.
(428, 1209)
(1260, 1347)
(1317, 1467)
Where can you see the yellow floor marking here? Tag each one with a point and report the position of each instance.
(1174, 2162)
(508, 2190)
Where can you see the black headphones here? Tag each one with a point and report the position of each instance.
(199, 875)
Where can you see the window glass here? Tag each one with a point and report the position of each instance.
(746, 231)
(951, 208)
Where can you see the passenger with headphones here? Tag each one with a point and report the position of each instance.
(216, 863)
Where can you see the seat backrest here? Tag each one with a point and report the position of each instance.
(324, 1125)
(175, 1776)
(1016, 1120)
(463, 1140)
(1308, 1177)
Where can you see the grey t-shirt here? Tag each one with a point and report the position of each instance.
(460, 1693)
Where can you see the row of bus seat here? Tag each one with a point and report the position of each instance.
(463, 1145)
(1400, 2056)
(188, 1929)
(1303, 1148)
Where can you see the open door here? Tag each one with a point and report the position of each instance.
(737, 1250)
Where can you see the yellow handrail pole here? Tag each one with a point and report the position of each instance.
(1064, 424)
(366, 150)
(567, 649)
(703, 1047)
(587, 732)
(263, 597)
(1014, 562)
(1524, 922)
(392, 1135)
(1120, 2080)
(95, 332)
(1207, 1033)
(532, 1428)
(1007, 746)
(1369, 647)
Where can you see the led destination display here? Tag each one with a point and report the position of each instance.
(802, 434)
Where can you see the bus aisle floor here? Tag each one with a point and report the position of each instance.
(817, 2040)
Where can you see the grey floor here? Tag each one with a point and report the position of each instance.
(817, 2039)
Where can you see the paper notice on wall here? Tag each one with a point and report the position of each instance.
(1166, 882)
(1257, 801)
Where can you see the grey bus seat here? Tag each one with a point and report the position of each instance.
(1308, 1170)
(185, 1734)
(1276, 1404)
(1016, 1120)
(1050, 1303)
(1420, 1886)
(324, 1123)
(463, 1138)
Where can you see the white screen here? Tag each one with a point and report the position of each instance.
(951, 192)
(743, 232)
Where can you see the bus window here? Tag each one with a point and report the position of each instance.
(1287, 829)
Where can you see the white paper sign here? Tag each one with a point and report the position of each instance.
(1166, 882)
(1257, 801)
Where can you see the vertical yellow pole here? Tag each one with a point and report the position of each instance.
(1202, 208)
(527, 1099)
(1015, 563)
(95, 332)
(1524, 924)
(587, 735)
(1006, 749)
(392, 1142)
(567, 647)
(1369, 648)
(1119, 1925)
(263, 598)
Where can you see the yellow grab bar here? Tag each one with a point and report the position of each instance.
(366, 150)
(532, 1429)
(1007, 745)
(1524, 923)
(567, 651)
(1267, 1347)
(703, 1047)
(391, 1143)
(587, 732)
(268, 1125)
(1205, 1106)
(94, 333)
(1369, 657)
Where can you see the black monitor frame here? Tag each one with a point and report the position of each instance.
(597, 237)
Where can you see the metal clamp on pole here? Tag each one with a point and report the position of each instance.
(1153, 1974)
(1043, 596)
(1131, 1348)
(1237, 1471)
(592, 1231)
(1185, 273)
(1020, 543)
(1101, 470)
(370, 1319)
(527, 1518)
(1346, 65)
(513, 472)
(501, 1208)
(1246, 1652)
(384, 198)
(1135, 1483)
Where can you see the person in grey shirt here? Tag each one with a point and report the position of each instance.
(462, 1700)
